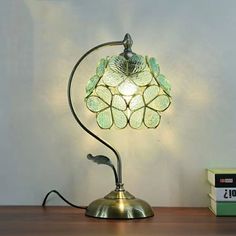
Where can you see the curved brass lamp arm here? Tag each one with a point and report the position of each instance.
(127, 43)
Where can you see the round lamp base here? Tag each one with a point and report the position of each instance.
(119, 204)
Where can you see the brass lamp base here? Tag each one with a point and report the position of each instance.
(119, 204)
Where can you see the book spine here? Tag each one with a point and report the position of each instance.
(225, 180)
(223, 208)
(225, 194)
(226, 209)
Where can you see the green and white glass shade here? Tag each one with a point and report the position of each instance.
(128, 91)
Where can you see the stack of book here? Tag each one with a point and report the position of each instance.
(223, 191)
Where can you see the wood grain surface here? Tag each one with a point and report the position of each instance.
(68, 221)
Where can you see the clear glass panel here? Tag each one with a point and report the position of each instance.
(119, 102)
(104, 93)
(91, 85)
(95, 104)
(127, 88)
(118, 64)
(101, 67)
(150, 93)
(136, 102)
(136, 64)
(151, 118)
(120, 119)
(164, 83)
(104, 119)
(133, 65)
(112, 79)
(142, 78)
(160, 103)
(136, 118)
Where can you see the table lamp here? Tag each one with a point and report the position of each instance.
(126, 90)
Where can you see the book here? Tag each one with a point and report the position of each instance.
(222, 177)
(223, 208)
(223, 194)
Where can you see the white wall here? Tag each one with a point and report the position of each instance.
(42, 147)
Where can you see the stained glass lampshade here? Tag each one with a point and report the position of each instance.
(126, 90)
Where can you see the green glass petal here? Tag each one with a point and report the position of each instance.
(164, 83)
(127, 88)
(142, 78)
(154, 67)
(111, 78)
(101, 67)
(119, 102)
(104, 119)
(120, 119)
(104, 93)
(150, 93)
(136, 118)
(151, 118)
(91, 85)
(160, 103)
(136, 102)
(95, 104)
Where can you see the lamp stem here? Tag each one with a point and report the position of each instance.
(127, 43)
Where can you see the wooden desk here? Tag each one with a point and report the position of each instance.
(68, 221)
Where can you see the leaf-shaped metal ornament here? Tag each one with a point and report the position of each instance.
(100, 159)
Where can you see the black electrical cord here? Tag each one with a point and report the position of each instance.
(56, 192)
